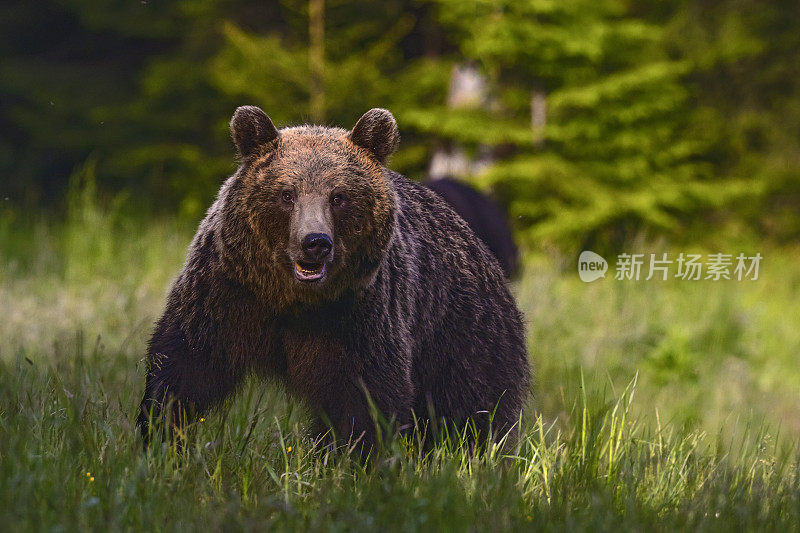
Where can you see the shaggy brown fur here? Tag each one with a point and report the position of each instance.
(393, 300)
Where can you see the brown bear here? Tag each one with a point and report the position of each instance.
(485, 218)
(356, 288)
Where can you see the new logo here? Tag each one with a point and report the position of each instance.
(591, 266)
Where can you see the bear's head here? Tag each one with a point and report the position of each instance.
(315, 202)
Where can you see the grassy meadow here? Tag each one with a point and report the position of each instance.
(655, 405)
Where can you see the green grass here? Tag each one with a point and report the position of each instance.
(656, 405)
(69, 458)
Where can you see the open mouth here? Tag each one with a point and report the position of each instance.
(305, 271)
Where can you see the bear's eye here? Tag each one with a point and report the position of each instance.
(337, 200)
(287, 197)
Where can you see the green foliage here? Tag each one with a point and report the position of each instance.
(544, 42)
(272, 71)
(616, 155)
(659, 117)
(100, 270)
(744, 84)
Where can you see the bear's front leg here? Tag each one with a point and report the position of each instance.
(181, 383)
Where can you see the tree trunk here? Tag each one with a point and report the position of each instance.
(538, 116)
(316, 59)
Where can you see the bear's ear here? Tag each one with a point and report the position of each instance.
(376, 131)
(250, 129)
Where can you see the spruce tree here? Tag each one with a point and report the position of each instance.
(612, 154)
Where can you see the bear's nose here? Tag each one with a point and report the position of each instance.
(316, 246)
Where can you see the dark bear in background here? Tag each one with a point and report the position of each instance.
(487, 219)
(320, 268)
